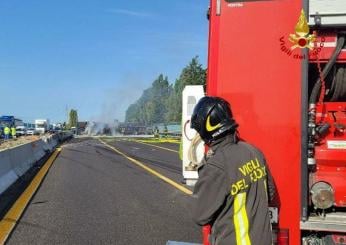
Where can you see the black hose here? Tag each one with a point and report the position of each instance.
(343, 93)
(317, 87)
(332, 87)
(339, 80)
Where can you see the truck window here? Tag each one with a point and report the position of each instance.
(191, 102)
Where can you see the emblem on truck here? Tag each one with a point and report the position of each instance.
(302, 38)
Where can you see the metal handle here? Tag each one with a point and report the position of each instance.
(218, 7)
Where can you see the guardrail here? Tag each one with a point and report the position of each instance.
(169, 134)
(16, 161)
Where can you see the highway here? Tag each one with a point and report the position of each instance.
(94, 195)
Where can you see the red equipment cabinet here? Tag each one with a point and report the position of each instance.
(251, 65)
(330, 151)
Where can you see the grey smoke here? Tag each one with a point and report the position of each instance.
(100, 128)
(116, 102)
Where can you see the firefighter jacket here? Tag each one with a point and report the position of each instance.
(232, 194)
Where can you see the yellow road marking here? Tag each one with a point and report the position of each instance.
(160, 140)
(150, 170)
(10, 220)
(164, 148)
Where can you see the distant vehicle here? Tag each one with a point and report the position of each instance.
(20, 130)
(42, 126)
(74, 130)
(10, 121)
(29, 125)
(31, 131)
(1, 132)
(54, 130)
(56, 127)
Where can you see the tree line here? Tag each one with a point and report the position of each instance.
(162, 102)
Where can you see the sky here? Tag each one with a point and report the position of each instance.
(96, 56)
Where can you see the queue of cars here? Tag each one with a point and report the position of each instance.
(22, 130)
(41, 126)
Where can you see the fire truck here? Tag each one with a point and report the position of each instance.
(282, 66)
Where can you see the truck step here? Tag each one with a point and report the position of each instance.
(330, 222)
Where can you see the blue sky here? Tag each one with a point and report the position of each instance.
(96, 56)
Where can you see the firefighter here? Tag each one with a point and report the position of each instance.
(7, 132)
(234, 182)
(165, 131)
(13, 132)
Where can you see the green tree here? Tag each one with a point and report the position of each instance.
(162, 102)
(192, 74)
(151, 107)
(131, 113)
(73, 118)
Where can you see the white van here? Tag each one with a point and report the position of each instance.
(20, 130)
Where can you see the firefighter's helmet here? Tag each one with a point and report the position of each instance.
(212, 118)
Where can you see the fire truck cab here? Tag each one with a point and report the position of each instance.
(282, 66)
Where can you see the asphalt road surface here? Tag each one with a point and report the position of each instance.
(93, 195)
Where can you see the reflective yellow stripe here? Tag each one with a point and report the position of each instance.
(265, 188)
(241, 222)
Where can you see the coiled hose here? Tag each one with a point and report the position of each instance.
(192, 152)
(339, 93)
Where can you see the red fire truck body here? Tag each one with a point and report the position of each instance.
(252, 63)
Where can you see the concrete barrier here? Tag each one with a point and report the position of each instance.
(15, 162)
(21, 158)
(7, 174)
(50, 143)
(39, 149)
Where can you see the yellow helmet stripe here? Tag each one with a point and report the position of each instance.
(209, 127)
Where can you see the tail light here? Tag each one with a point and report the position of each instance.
(280, 237)
(206, 233)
